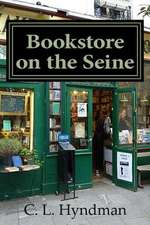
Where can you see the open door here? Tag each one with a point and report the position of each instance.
(79, 127)
(124, 138)
(79, 114)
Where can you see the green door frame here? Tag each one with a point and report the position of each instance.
(115, 90)
(132, 148)
(90, 112)
(66, 109)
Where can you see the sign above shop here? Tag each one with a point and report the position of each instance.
(75, 50)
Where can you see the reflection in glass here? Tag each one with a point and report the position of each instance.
(125, 119)
(2, 52)
(79, 119)
(143, 124)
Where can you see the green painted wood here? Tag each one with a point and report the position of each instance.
(84, 170)
(132, 149)
(28, 183)
(51, 174)
(143, 160)
(20, 184)
(92, 84)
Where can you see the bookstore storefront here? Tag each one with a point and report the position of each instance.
(22, 119)
(36, 113)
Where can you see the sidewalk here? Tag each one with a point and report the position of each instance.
(103, 195)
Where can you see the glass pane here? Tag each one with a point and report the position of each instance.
(55, 115)
(125, 118)
(2, 52)
(16, 115)
(143, 124)
(79, 119)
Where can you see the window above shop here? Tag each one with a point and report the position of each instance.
(112, 11)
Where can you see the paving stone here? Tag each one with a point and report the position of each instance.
(137, 221)
(103, 194)
(9, 219)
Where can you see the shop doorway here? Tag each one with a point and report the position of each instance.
(102, 133)
(82, 104)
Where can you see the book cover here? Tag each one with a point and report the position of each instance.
(6, 125)
(101, 186)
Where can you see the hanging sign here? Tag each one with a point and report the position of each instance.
(75, 50)
(124, 166)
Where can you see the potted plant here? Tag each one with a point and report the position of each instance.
(26, 154)
(8, 148)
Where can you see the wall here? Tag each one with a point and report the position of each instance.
(79, 6)
(136, 9)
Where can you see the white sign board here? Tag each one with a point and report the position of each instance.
(124, 166)
(82, 109)
(79, 129)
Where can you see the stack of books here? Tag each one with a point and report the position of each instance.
(29, 167)
(11, 169)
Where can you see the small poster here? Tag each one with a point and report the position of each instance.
(79, 129)
(124, 166)
(82, 109)
(6, 125)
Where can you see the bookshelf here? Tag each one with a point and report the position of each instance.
(55, 115)
(102, 101)
(143, 116)
(16, 115)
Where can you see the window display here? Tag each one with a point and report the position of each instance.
(79, 118)
(143, 115)
(16, 115)
(125, 119)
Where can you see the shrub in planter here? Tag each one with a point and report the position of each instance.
(26, 154)
(30, 156)
(9, 147)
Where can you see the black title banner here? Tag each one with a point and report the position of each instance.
(75, 50)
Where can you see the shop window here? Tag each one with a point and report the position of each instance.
(79, 119)
(16, 115)
(125, 119)
(2, 51)
(116, 14)
(143, 117)
(55, 115)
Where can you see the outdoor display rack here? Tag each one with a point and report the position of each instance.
(66, 167)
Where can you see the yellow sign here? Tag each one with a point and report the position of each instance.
(147, 46)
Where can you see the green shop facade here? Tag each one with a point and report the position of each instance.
(54, 107)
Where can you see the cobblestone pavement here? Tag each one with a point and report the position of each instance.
(104, 204)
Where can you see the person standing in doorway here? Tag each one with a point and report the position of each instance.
(98, 142)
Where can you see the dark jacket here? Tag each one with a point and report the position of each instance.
(123, 125)
(99, 134)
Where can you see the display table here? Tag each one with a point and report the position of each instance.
(140, 169)
(12, 169)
